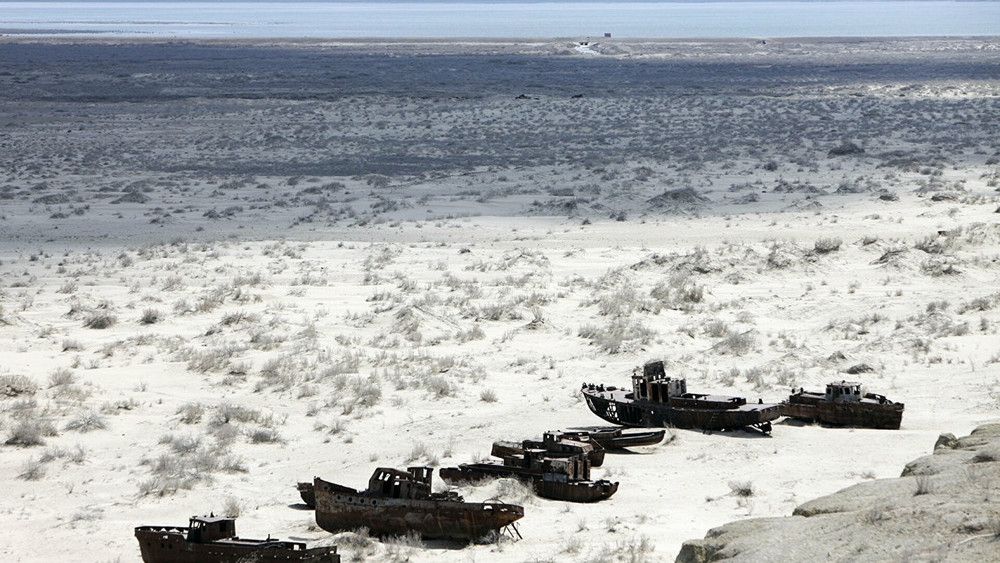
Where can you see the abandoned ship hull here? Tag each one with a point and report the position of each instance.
(340, 508)
(164, 544)
(503, 449)
(544, 485)
(865, 414)
(617, 440)
(617, 407)
(306, 492)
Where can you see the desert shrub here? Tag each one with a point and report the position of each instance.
(67, 288)
(924, 485)
(191, 413)
(149, 316)
(439, 386)
(265, 435)
(618, 336)
(61, 377)
(474, 333)
(741, 488)
(226, 413)
(69, 345)
(488, 396)
(402, 548)
(173, 283)
(827, 245)
(32, 470)
(30, 432)
(182, 444)
(15, 385)
(514, 491)
(874, 515)
(86, 421)
(232, 508)
(716, 328)
(737, 344)
(100, 321)
(212, 359)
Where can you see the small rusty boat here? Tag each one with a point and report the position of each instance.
(213, 539)
(616, 439)
(659, 400)
(399, 502)
(556, 444)
(557, 478)
(844, 404)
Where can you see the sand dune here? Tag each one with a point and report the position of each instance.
(225, 268)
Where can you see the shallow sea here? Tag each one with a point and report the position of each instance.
(432, 19)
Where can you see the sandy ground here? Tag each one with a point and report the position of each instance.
(316, 258)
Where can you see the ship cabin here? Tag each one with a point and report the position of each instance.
(414, 483)
(207, 529)
(655, 386)
(843, 392)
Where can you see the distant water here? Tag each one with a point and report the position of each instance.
(430, 19)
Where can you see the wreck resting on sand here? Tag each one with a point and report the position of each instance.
(555, 444)
(843, 404)
(557, 478)
(399, 502)
(307, 492)
(659, 400)
(212, 539)
(616, 439)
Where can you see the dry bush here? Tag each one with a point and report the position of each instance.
(827, 245)
(149, 316)
(61, 377)
(16, 385)
(741, 488)
(32, 470)
(100, 321)
(229, 413)
(737, 344)
(191, 413)
(488, 396)
(620, 335)
(924, 485)
(265, 435)
(86, 421)
(31, 432)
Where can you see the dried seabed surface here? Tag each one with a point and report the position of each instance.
(228, 268)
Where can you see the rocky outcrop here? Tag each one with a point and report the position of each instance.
(944, 506)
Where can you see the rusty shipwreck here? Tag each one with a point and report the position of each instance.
(555, 444)
(399, 502)
(659, 400)
(616, 438)
(213, 539)
(844, 404)
(559, 477)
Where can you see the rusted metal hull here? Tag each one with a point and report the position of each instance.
(615, 439)
(868, 413)
(166, 544)
(548, 486)
(340, 508)
(503, 449)
(307, 493)
(618, 407)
